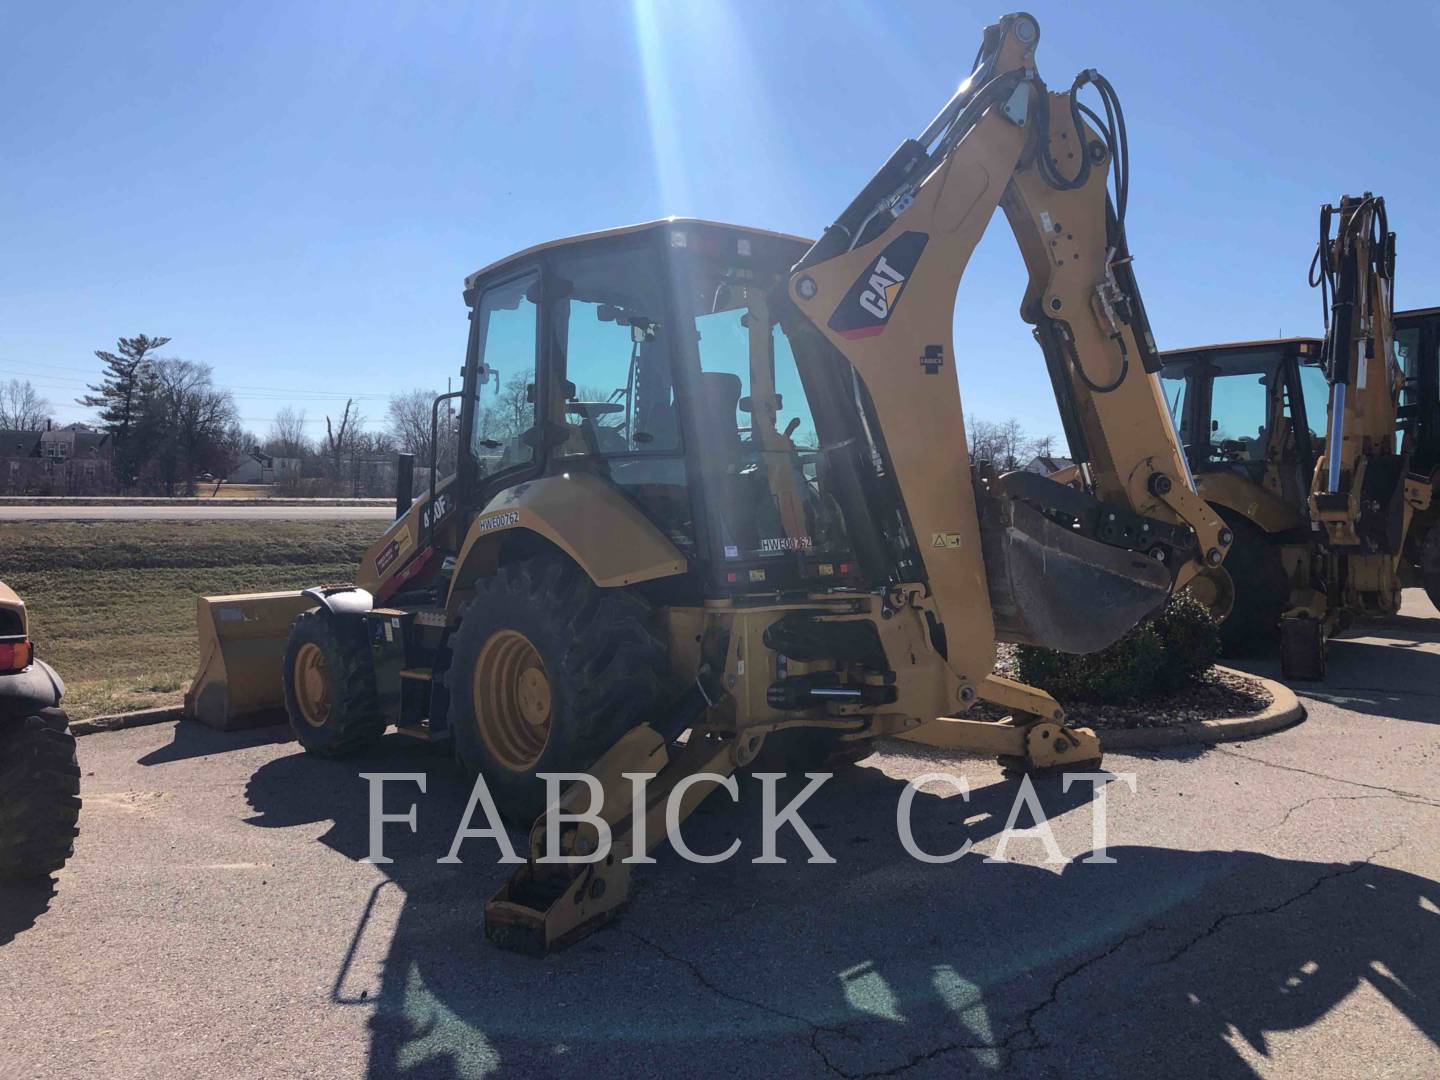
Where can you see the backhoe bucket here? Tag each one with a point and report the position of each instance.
(1052, 587)
(242, 649)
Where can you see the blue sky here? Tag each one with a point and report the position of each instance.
(294, 191)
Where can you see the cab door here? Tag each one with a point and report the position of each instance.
(500, 418)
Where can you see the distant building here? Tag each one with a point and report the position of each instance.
(72, 460)
(1045, 464)
(74, 442)
(258, 467)
(20, 444)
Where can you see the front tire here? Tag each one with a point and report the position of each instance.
(548, 671)
(330, 685)
(1262, 591)
(39, 795)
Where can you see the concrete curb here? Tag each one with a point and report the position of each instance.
(117, 721)
(1284, 711)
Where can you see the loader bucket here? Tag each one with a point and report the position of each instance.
(242, 649)
(1052, 587)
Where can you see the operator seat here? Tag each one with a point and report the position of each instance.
(719, 398)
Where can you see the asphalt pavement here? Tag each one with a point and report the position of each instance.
(1273, 909)
(218, 512)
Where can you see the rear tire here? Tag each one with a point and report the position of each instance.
(1430, 564)
(548, 671)
(39, 795)
(330, 685)
(1262, 591)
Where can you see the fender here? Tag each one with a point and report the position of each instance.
(27, 691)
(582, 515)
(341, 599)
(1248, 499)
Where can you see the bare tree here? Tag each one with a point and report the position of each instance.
(1006, 445)
(410, 417)
(188, 420)
(287, 436)
(513, 413)
(1042, 446)
(21, 408)
(340, 438)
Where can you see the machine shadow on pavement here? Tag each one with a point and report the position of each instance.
(192, 740)
(21, 905)
(1387, 680)
(1166, 962)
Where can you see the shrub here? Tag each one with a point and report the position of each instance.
(1158, 657)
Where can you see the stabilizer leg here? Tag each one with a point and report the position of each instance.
(547, 906)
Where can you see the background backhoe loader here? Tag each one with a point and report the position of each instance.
(713, 490)
(1320, 453)
(39, 777)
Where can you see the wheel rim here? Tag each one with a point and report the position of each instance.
(312, 684)
(512, 700)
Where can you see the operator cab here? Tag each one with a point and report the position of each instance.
(666, 360)
(1246, 406)
(1417, 351)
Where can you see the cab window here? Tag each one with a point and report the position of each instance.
(504, 408)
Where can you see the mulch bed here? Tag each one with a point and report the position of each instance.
(1219, 695)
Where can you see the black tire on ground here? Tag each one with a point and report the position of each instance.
(39, 795)
(1430, 564)
(331, 701)
(600, 656)
(1262, 591)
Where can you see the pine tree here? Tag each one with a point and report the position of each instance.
(119, 397)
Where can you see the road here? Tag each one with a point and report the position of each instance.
(218, 512)
(1273, 910)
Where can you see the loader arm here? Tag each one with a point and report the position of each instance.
(881, 286)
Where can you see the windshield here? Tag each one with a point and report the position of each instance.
(772, 499)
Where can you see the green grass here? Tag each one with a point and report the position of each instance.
(112, 604)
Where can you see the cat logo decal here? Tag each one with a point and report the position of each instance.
(868, 305)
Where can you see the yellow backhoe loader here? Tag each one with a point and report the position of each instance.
(713, 490)
(1319, 452)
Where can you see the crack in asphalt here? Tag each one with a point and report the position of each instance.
(1222, 919)
(704, 980)
(1351, 798)
(1006, 1047)
(1401, 792)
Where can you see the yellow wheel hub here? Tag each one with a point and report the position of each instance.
(512, 700)
(312, 684)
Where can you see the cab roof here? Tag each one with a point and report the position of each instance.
(623, 230)
(1237, 345)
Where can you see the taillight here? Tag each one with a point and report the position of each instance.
(15, 655)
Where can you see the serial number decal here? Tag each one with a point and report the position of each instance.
(498, 521)
(785, 543)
